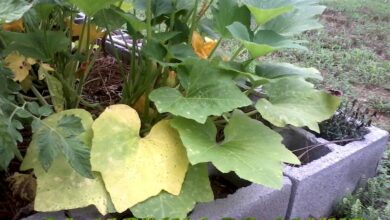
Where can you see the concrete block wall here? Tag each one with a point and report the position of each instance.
(254, 201)
(310, 190)
(320, 184)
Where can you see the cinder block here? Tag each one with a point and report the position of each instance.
(320, 184)
(86, 213)
(254, 201)
(47, 215)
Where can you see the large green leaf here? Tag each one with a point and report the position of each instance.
(114, 18)
(226, 12)
(294, 101)
(302, 18)
(42, 45)
(60, 134)
(11, 10)
(263, 41)
(250, 149)
(196, 188)
(8, 142)
(262, 16)
(209, 91)
(134, 168)
(91, 7)
(278, 70)
(61, 187)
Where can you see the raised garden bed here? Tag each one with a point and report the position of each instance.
(329, 173)
(184, 104)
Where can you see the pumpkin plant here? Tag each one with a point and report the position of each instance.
(185, 102)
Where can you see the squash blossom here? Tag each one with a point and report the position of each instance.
(19, 65)
(202, 47)
(15, 26)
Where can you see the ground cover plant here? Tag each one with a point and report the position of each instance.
(184, 101)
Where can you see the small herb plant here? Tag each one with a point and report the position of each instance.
(349, 122)
(149, 153)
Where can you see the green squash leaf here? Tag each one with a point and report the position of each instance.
(11, 10)
(209, 91)
(134, 168)
(59, 134)
(278, 70)
(56, 92)
(294, 101)
(263, 42)
(115, 18)
(262, 16)
(61, 187)
(304, 17)
(226, 12)
(250, 149)
(196, 188)
(91, 7)
(38, 45)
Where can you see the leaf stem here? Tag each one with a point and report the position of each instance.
(40, 98)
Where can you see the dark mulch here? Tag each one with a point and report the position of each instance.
(104, 83)
(10, 207)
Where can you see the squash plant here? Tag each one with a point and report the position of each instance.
(185, 101)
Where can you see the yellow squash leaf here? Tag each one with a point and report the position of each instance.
(94, 32)
(202, 47)
(134, 168)
(19, 65)
(15, 26)
(44, 69)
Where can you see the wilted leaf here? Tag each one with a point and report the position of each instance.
(16, 26)
(94, 32)
(294, 101)
(61, 187)
(250, 148)
(11, 10)
(23, 186)
(196, 188)
(134, 168)
(19, 65)
(209, 91)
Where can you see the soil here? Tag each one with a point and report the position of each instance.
(10, 205)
